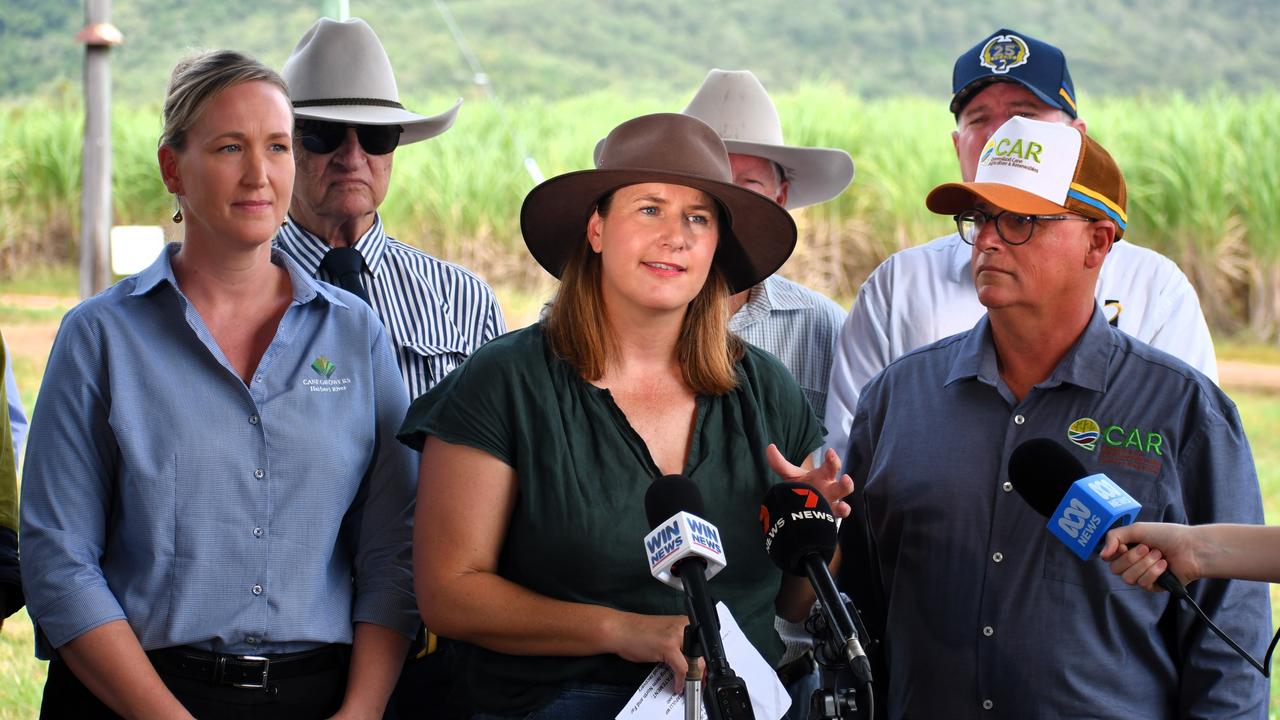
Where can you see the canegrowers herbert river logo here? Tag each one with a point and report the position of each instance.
(325, 368)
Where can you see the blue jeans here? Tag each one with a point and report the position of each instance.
(576, 701)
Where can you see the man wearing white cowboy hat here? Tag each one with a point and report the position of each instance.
(982, 611)
(349, 123)
(797, 325)
(794, 323)
(926, 293)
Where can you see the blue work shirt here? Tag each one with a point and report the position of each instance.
(160, 489)
(982, 612)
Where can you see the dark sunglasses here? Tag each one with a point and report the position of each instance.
(323, 137)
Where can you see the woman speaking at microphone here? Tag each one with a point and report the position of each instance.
(538, 450)
(215, 515)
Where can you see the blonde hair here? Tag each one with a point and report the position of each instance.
(578, 330)
(196, 79)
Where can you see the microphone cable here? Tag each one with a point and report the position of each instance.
(1263, 667)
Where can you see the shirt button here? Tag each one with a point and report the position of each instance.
(998, 557)
(987, 704)
(253, 419)
(1018, 419)
(251, 639)
(257, 590)
(988, 630)
(259, 473)
(257, 532)
(1007, 486)
(257, 379)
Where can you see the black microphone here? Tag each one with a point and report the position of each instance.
(1044, 472)
(673, 506)
(800, 535)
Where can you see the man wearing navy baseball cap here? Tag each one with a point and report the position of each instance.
(926, 293)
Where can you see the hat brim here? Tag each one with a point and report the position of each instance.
(966, 93)
(416, 127)
(952, 198)
(759, 237)
(816, 175)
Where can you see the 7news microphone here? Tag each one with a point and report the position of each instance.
(800, 535)
(684, 550)
(1081, 509)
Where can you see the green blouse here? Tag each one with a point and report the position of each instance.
(577, 530)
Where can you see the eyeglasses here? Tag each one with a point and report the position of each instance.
(323, 137)
(1013, 228)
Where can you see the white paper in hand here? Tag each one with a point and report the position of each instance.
(769, 699)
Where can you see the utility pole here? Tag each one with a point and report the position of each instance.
(98, 35)
(337, 9)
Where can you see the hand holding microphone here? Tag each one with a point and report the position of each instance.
(1081, 508)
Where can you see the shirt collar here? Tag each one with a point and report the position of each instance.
(305, 287)
(309, 249)
(961, 260)
(1084, 365)
(773, 294)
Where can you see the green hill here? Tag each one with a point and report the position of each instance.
(559, 48)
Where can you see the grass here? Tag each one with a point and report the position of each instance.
(22, 676)
(1202, 186)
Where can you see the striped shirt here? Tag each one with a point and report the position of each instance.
(796, 325)
(436, 313)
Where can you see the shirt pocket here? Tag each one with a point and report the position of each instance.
(435, 359)
(1062, 565)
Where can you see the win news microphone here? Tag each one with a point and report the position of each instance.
(683, 551)
(1081, 508)
(800, 536)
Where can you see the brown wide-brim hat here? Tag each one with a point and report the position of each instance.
(756, 234)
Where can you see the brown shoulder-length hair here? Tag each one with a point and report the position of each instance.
(578, 330)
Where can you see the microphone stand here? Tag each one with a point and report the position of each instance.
(692, 678)
(726, 693)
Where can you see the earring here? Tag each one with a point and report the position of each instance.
(177, 214)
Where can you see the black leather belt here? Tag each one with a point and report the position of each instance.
(248, 672)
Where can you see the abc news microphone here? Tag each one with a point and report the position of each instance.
(1081, 508)
(684, 550)
(800, 535)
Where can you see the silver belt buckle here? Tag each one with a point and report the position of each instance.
(266, 666)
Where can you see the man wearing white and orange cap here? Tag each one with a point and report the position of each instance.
(982, 612)
(925, 293)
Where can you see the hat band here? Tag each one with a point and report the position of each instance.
(377, 102)
(1097, 200)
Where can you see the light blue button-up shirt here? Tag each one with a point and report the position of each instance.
(161, 489)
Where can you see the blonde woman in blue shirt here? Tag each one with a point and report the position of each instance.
(215, 514)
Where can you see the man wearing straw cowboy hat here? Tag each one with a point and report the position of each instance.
(794, 323)
(349, 123)
(982, 612)
(797, 325)
(925, 293)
